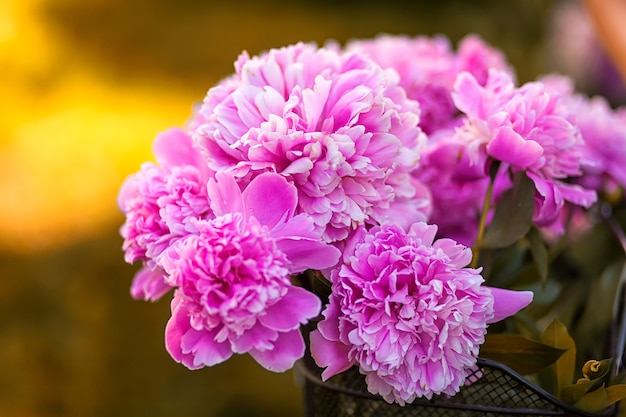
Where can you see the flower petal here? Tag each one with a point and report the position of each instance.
(294, 308)
(330, 355)
(467, 94)
(194, 349)
(174, 147)
(509, 146)
(507, 303)
(270, 198)
(224, 194)
(308, 254)
(149, 285)
(287, 350)
(303, 246)
(256, 336)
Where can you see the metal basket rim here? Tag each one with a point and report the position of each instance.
(610, 411)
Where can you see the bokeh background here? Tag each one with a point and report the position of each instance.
(84, 88)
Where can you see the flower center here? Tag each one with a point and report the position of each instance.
(237, 272)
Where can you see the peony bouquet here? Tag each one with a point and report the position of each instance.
(385, 205)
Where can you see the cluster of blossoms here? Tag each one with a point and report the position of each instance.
(369, 164)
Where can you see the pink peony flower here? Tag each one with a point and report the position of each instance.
(232, 274)
(408, 312)
(604, 152)
(336, 125)
(477, 58)
(529, 128)
(428, 68)
(457, 188)
(158, 202)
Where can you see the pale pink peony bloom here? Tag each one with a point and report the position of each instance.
(603, 130)
(232, 274)
(428, 67)
(158, 202)
(477, 58)
(530, 129)
(408, 312)
(335, 124)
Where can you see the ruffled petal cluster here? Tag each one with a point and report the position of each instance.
(158, 202)
(232, 276)
(602, 128)
(530, 129)
(407, 310)
(336, 125)
(428, 67)
(457, 187)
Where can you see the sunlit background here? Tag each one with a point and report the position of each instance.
(84, 88)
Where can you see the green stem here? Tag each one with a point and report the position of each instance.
(482, 224)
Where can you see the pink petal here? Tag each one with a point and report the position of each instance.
(295, 308)
(577, 194)
(204, 350)
(548, 200)
(303, 246)
(174, 147)
(270, 198)
(467, 95)
(298, 227)
(329, 327)
(258, 335)
(287, 350)
(149, 285)
(330, 355)
(191, 347)
(404, 212)
(308, 254)
(507, 303)
(224, 194)
(129, 191)
(509, 146)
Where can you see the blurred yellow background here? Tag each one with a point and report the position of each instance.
(85, 86)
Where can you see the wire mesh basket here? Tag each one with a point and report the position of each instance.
(495, 390)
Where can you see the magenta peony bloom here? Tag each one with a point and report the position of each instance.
(336, 125)
(457, 188)
(158, 202)
(477, 58)
(408, 312)
(529, 128)
(604, 152)
(232, 274)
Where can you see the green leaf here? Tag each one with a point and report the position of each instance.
(502, 267)
(525, 356)
(573, 393)
(594, 401)
(597, 317)
(513, 216)
(321, 286)
(556, 335)
(616, 393)
(539, 252)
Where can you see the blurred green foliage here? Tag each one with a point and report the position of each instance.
(75, 344)
(197, 40)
